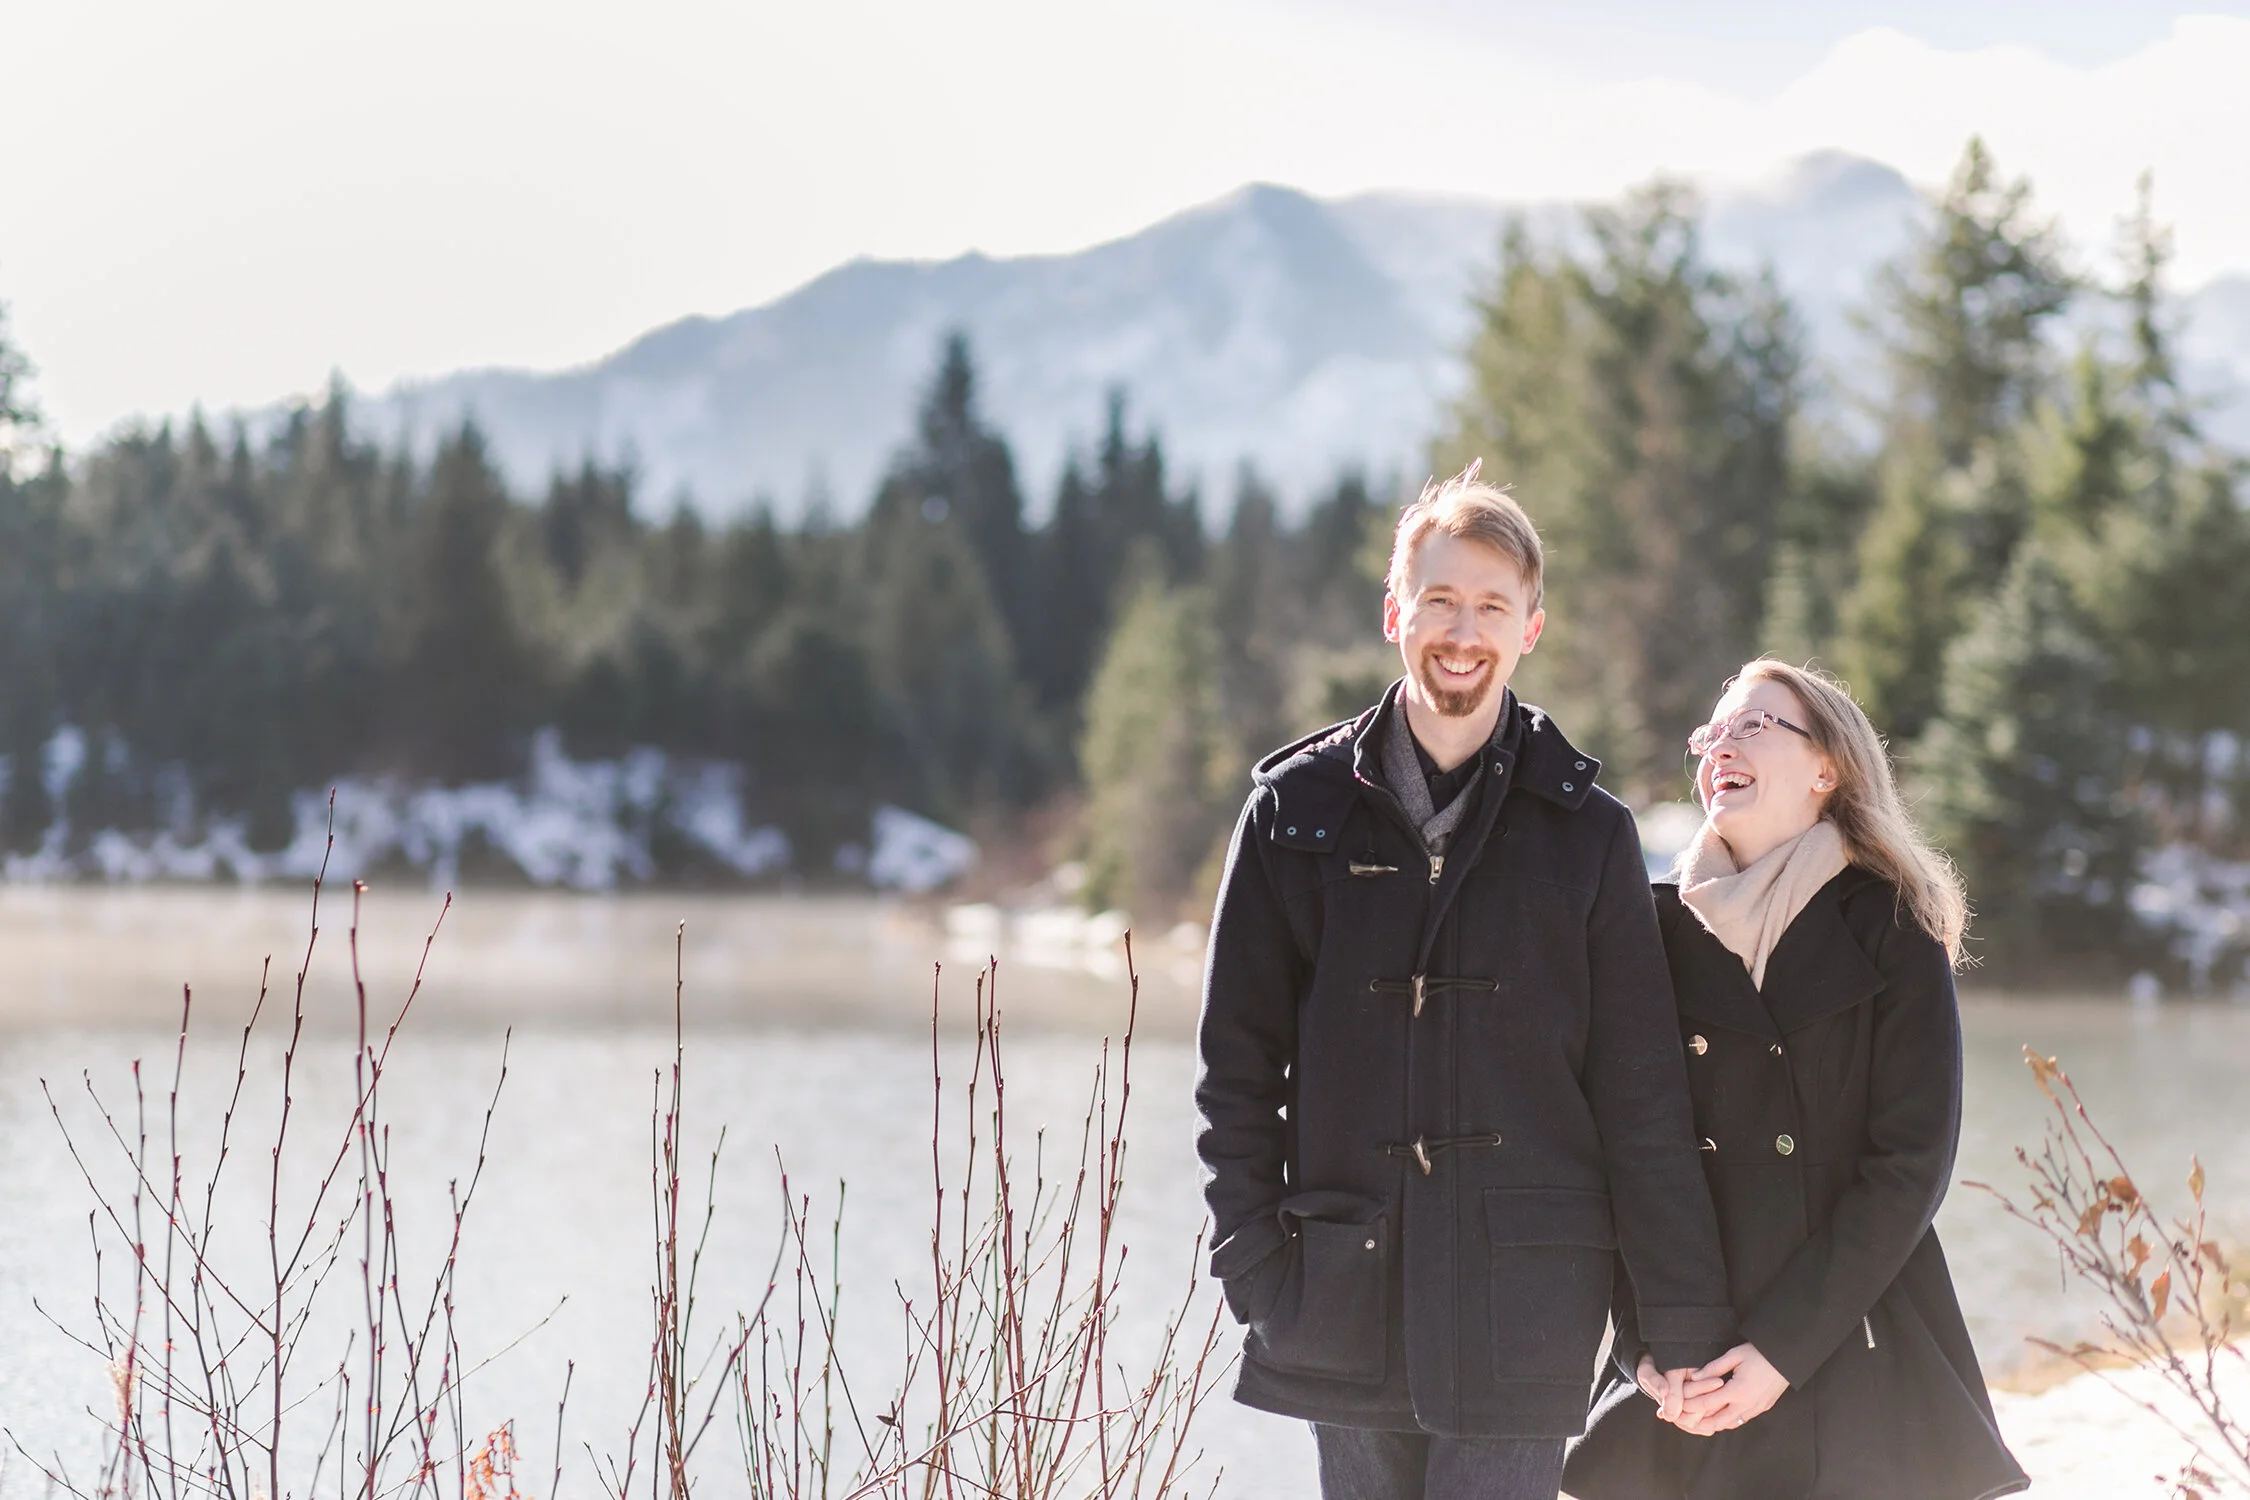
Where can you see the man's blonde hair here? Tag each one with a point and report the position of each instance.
(1467, 509)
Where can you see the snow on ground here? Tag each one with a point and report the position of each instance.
(915, 855)
(586, 825)
(2205, 902)
(2092, 1438)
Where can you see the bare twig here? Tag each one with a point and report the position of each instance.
(2170, 1293)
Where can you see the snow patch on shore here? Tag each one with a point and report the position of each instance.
(2097, 1438)
(586, 825)
(915, 855)
(2203, 903)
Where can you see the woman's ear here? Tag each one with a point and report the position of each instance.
(1824, 779)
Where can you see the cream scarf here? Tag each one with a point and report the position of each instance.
(1749, 910)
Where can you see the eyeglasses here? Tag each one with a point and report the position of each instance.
(1747, 725)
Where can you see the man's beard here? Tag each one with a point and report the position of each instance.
(1453, 702)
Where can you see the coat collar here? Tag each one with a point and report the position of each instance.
(1817, 969)
(1551, 766)
(1546, 763)
(1315, 779)
(1532, 750)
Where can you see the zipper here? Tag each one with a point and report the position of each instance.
(1390, 800)
(1398, 808)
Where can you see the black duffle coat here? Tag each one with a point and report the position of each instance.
(1829, 1109)
(1438, 1096)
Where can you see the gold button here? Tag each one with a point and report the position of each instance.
(1784, 1144)
(1370, 1244)
(1698, 1046)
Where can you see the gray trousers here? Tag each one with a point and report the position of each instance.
(1361, 1464)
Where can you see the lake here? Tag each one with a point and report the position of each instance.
(809, 1034)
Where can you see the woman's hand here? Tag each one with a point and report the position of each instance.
(1737, 1386)
(1671, 1389)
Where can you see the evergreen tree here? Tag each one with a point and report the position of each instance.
(586, 515)
(1131, 503)
(1971, 306)
(1968, 308)
(966, 467)
(2159, 551)
(751, 583)
(819, 743)
(2081, 713)
(334, 518)
(464, 681)
(1074, 578)
(1160, 763)
(1640, 402)
(1255, 613)
(33, 620)
(941, 656)
(1101, 525)
(1815, 562)
(2026, 780)
(1344, 528)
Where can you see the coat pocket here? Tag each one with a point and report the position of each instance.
(1329, 1313)
(1552, 1256)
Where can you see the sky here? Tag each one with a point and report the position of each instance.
(224, 203)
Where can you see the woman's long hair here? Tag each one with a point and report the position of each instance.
(1866, 806)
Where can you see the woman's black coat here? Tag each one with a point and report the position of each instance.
(1829, 1108)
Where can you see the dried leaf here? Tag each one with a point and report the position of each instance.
(2137, 1250)
(2212, 1256)
(2195, 1177)
(2090, 1222)
(2160, 1295)
(2122, 1189)
(2043, 1071)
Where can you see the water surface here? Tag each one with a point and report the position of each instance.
(810, 1037)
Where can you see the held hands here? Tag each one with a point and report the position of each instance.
(1672, 1389)
(1737, 1386)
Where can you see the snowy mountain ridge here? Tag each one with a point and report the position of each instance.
(1268, 326)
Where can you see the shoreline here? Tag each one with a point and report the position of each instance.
(111, 956)
(531, 954)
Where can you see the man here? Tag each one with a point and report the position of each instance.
(1442, 1083)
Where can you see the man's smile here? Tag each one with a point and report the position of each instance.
(1460, 668)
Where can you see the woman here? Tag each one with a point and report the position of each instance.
(1812, 935)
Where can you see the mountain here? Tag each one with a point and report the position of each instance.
(1268, 326)
(1258, 326)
